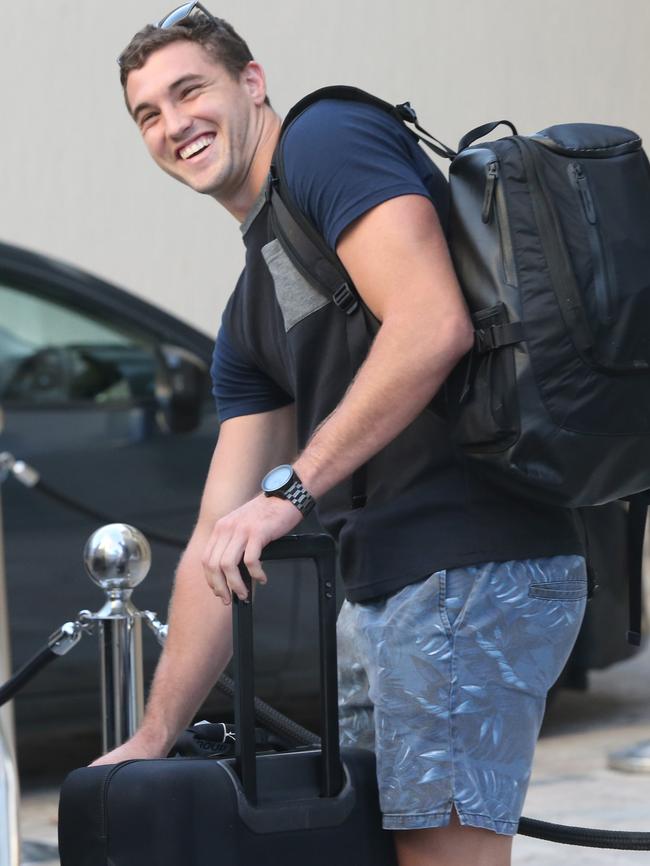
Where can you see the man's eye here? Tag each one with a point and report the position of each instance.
(146, 118)
(189, 90)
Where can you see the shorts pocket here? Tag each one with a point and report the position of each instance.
(563, 590)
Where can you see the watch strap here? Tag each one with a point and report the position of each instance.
(299, 496)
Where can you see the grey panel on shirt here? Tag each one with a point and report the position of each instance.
(296, 296)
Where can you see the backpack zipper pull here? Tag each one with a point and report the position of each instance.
(492, 174)
(582, 185)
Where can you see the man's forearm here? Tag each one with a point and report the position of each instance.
(199, 641)
(198, 648)
(398, 379)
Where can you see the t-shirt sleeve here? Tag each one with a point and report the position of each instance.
(344, 158)
(239, 387)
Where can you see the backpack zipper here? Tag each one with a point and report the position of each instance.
(491, 176)
(580, 183)
(563, 279)
(494, 193)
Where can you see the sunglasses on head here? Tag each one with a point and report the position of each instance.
(181, 13)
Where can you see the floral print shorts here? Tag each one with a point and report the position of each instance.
(447, 681)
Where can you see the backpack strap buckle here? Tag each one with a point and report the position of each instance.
(345, 299)
(405, 111)
(497, 336)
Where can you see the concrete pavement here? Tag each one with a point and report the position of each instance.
(571, 781)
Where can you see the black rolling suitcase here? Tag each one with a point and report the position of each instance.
(306, 806)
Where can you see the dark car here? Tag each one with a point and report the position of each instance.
(108, 398)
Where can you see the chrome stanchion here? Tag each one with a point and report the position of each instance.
(117, 558)
(158, 628)
(9, 787)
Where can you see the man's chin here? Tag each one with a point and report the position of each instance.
(205, 188)
(204, 185)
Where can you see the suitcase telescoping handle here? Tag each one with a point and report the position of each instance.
(321, 549)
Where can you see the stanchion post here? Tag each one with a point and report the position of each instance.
(117, 558)
(120, 648)
(9, 787)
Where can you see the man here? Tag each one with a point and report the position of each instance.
(456, 621)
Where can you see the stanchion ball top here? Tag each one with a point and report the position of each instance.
(117, 556)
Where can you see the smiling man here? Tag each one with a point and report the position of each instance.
(445, 643)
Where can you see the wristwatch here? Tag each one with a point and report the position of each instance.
(284, 483)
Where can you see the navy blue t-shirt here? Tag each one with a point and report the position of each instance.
(341, 160)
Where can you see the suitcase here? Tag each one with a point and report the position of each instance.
(316, 805)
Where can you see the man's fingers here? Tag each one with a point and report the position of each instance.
(252, 561)
(211, 559)
(219, 586)
(221, 565)
(230, 559)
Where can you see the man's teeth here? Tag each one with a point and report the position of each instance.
(196, 146)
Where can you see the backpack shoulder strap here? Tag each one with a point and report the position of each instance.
(307, 248)
(304, 245)
(404, 112)
(338, 91)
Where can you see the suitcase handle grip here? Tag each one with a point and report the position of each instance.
(322, 550)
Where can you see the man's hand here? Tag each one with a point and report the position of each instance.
(241, 535)
(139, 746)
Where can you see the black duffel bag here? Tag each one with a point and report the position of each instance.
(550, 236)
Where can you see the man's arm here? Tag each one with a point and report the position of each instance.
(199, 642)
(398, 258)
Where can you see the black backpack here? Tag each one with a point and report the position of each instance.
(550, 237)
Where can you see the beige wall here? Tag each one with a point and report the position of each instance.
(77, 183)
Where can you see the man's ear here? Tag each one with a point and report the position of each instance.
(254, 79)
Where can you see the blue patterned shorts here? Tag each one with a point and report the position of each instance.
(447, 681)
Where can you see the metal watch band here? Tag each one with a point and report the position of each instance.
(298, 496)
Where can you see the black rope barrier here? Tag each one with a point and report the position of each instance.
(87, 511)
(26, 673)
(586, 837)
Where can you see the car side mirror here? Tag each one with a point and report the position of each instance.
(181, 389)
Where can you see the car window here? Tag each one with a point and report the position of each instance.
(52, 353)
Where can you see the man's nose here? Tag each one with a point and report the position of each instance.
(178, 123)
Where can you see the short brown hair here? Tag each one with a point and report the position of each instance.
(216, 36)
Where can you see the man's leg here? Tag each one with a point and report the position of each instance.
(456, 670)
(453, 845)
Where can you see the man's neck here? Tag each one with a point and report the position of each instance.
(243, 200)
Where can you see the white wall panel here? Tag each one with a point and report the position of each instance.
(75, 181)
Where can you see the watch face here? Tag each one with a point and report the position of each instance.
(277, 478)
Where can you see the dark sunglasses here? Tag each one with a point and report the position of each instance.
(182, 12)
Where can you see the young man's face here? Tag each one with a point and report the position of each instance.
(198, 123)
